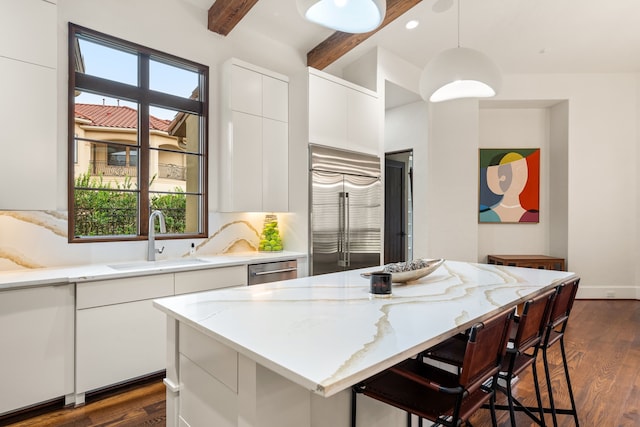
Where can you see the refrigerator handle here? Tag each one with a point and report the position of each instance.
(343, 229)
(347, 237)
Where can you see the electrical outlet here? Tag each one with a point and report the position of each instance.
(611, 294)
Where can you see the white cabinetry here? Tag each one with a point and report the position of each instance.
(342, 114)
(254, 153)
(206, 280)
(119, 334)
(36, 335)
(207, 368)
(28, 104)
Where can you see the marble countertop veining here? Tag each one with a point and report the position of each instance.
(16, 279)
(326, 332)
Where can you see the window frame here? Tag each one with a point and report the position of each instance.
(144, 97)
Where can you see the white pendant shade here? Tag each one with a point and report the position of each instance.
(459, 73)
(349, 16)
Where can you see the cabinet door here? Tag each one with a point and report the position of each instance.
(36, 335)
(246, 178)
(117, 343)
(246, 91)
(28, 176)
(28, 33)
(363, 117)
(275, 99)
(327, 112)
(275, 164)
(205, 401)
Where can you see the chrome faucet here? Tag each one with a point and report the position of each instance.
(151, 255)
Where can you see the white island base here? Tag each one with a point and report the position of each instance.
(210, 384)
(285, 354)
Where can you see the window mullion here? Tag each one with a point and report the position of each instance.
(143, 138)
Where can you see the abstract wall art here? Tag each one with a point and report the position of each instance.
(509, 185)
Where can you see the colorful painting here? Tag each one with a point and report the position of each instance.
(509, 185)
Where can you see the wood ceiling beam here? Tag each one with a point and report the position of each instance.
(224, 15)
(339, 43)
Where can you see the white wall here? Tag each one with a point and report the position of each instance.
(444, 216)
(602, 170)
(451, 185)
(558, 179)
(518, 128)
(596, 217)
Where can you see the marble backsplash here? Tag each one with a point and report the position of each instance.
(37, 239)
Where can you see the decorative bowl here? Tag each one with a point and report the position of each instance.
(404, 272)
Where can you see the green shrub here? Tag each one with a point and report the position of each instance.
(174, 208)
(105, 210)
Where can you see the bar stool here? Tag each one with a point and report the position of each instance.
(554, 333)
(445, 398)
(523, 350)
(527, 333)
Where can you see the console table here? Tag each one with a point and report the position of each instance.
(532, 261)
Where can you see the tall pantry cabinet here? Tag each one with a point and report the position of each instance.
(28, 105)
(255, 139)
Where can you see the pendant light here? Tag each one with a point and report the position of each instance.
(459, 73)
(349, 16)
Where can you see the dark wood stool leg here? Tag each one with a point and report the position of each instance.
(570, 389)
(354, 396)
(549, 390)
(538, 395)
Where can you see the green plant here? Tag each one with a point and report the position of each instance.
(110, 209)
(174, 207)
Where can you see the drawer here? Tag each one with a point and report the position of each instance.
(206, 280)
(116, 291)
(216, 359)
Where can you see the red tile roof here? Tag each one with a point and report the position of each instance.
(116, 117)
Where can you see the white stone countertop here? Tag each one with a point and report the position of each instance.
(16, 279)
(326, 333)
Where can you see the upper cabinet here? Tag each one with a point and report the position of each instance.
(28, 56)
(342, 114)
(28, 29)
(255, 139)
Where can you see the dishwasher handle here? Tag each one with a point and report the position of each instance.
(283, 270)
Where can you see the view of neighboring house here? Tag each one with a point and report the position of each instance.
(106, 146)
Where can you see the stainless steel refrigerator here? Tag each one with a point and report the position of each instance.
(345, 210)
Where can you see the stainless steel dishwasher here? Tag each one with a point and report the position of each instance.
(272, 271)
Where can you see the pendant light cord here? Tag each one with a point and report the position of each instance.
(458, 23)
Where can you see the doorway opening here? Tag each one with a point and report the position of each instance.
(398, 206)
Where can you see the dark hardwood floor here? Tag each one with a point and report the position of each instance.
(603, 348)
(139, 405)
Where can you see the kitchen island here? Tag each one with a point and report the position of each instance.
(286, 353)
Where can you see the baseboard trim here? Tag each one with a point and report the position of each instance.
(608, 292)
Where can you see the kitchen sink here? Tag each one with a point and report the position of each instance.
(150, 265)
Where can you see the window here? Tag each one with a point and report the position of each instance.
(137, 140)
